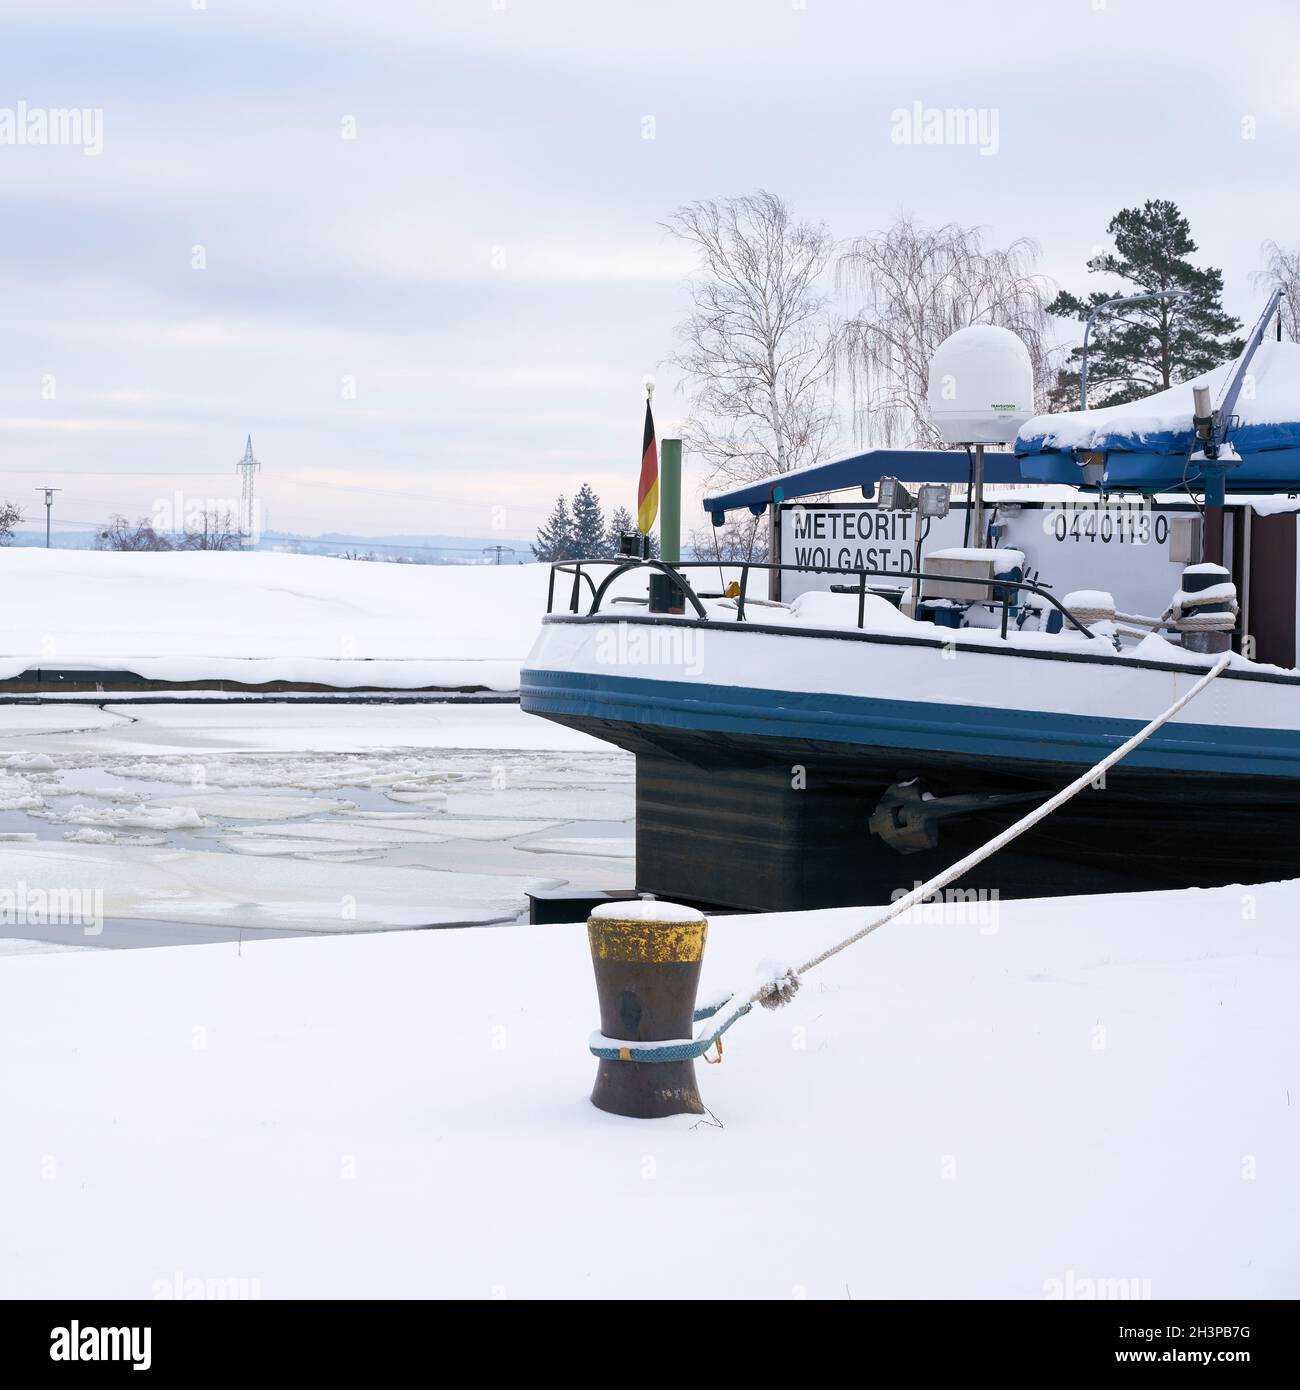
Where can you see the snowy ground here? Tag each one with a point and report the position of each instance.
(265, 617)
(1075, 1090)
(1018, 1100)
(197, 822)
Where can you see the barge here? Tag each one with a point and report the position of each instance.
(811, 733)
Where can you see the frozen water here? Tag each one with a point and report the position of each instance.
(308, 818)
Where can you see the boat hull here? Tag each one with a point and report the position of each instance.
(759, 798)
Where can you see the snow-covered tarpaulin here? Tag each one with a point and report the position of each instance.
(1158, 429)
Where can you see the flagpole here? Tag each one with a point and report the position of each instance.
(649, 452)
(649, 397)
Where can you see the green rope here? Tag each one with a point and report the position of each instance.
(683, 1050)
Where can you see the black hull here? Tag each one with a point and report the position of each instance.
(757, 824)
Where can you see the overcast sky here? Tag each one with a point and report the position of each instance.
(440, 323)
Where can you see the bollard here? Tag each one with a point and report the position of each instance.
(647, 957)
(666, 594)
(1207, 626)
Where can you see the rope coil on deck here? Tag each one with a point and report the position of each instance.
(777, 991)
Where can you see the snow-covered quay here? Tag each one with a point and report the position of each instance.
(1076, 1098)
(261, 617)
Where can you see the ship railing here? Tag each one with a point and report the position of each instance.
(1002, 592)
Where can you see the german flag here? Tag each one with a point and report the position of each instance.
(647, 493)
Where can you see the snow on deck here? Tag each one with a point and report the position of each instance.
(1054, 1092)
(260, 617)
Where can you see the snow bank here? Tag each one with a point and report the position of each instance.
(265, 617)
(1099, 1088)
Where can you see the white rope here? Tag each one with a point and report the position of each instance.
(773, 993)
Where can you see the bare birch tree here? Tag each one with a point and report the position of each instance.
(755, 351)
(1282, 271)
(911, 287)
(742, 537)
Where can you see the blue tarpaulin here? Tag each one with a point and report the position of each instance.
(1146, 444)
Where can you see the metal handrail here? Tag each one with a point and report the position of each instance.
(562, 567)
(663, 567)
(621, 565)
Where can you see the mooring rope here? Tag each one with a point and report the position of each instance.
(773, 993)
(1026, 822)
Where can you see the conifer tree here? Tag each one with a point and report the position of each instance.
(1141, 348)
(555, 539)
(590, 538)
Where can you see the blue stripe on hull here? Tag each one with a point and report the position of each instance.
(1009, 735)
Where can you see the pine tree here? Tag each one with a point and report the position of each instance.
(1066, 390)
(620, 525)
(1142, 348)
(590, 539)
(555, 539)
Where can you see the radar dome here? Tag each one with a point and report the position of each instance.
(981, 386)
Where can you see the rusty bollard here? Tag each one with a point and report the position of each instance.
(647, 957)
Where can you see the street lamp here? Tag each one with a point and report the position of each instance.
(49, 503)
(1111, 304)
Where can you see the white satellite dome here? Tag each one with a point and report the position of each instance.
(981, 386)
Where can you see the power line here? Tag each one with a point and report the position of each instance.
(349, 542)
(173, 473)
(101, 473)
(214, 473)
(374, 491)
(360, 543)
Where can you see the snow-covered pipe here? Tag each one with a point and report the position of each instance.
(670, 500)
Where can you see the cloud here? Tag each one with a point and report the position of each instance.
(462, 300)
